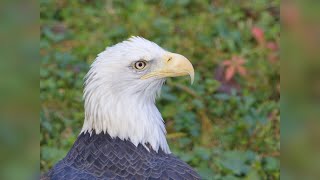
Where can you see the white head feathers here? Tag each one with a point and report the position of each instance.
(118, 102)
(121, 87)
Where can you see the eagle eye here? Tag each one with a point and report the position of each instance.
(140, 65)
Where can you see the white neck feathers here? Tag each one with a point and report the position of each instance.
(121, 107)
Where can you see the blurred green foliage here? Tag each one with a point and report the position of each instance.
(225, 129)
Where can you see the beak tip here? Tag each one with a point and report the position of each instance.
(191, 77)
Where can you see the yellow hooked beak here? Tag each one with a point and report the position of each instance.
(173, 65)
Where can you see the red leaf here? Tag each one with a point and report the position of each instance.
(272, 46)
(258, 34)
(226, 62)
(229, 73)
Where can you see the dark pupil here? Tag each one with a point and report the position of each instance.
(140, 64)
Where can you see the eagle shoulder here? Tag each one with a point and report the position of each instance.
(101, 157)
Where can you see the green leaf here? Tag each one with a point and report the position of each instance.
(271, 164)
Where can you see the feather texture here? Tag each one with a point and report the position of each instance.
(101, 157)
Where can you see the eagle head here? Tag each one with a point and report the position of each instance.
(121, 87)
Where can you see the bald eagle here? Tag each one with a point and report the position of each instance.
(123, 135)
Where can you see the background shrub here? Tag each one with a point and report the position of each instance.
(226, 125)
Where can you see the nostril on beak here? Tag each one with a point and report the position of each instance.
(169, 59)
